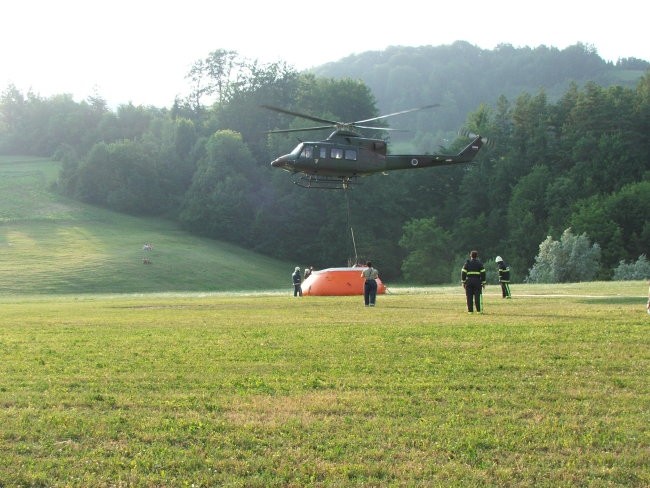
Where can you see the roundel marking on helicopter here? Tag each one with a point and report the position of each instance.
(414, 162)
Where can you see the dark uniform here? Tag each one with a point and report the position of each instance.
(473, 277)
(308, 271)
(370, 276)
(297, 288)
(504, 277)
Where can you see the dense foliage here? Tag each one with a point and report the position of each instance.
(578, 160)
(461, 76)
(638, 270)
(571, 259)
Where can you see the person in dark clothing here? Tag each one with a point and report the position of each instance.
(308, 271)
(504, 277)
(472, 277)
(297, 288)
(370, 275)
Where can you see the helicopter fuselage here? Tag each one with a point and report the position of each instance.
(342, 155)
(346, 155)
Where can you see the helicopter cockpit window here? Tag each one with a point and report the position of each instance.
(323, 152)
(307, 152)
(296, 150)
(336, 153)
(351, 154)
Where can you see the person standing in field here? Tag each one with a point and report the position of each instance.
(504, 277)
(295, 277)
(370, 275)
(648, 304)
(472, 276)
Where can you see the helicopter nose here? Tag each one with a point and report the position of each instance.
(281, 162)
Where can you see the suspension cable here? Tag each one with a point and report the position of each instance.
(354, 244)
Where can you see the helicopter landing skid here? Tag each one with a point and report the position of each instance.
(325, 182)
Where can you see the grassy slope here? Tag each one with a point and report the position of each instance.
(49, 244)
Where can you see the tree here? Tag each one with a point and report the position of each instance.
(571, 259)
(527, 215)
(212, 75)
(219, 201)
(177, 164)
(618, 221)
(122, 176)
(430, 254)
(639, 270)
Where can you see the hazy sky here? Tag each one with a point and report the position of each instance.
(139, 51)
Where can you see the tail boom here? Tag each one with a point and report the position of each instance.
(396, 162)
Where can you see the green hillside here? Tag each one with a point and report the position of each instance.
(50, 244)
(461, 76)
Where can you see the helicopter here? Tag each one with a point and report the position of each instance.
(346, 155)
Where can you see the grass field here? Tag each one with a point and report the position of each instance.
(50, 244)
(547, 389)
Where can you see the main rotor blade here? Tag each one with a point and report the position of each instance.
(298, 114)
(340, 125)
(303, 129)
(378, 128)
(426, 107)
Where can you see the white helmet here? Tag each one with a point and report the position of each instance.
(297, 268)
(499, 259)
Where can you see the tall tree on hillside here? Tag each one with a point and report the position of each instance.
(618, 222)
(530, 137)
(179, 149)
(430, 252)
(212, 76)
(527, 216)
(14, 136)
(643, 103)
(122, 176)
(39, 126)
(218, 203)
(499, 182)
(268, 84)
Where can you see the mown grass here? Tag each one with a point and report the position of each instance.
(268, 390)
(51, 245)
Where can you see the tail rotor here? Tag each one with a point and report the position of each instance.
(485, 140)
